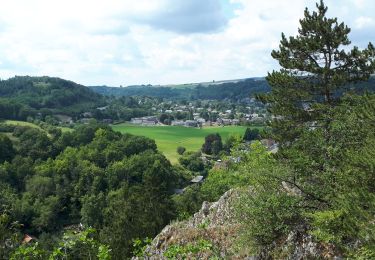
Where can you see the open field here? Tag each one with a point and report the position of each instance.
(21, 123)
(24, 123)
(168, 138)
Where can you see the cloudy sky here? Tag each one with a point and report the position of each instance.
(125, 42)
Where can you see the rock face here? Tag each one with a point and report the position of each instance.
(216, 225)
(301, 245)
(214, 222)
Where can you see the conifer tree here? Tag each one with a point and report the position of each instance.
(317, 69)
(325, 131)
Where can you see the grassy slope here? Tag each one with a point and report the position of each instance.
(23, 123)
(168, 138)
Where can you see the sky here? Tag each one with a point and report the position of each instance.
(129, 42)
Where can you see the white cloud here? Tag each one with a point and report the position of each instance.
(362, 22)
(161, 41)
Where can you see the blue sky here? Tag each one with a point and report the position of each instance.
(126, 42)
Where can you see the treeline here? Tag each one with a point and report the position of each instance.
(231, 90)
(226, 91)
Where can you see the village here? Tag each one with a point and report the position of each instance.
(205, 113)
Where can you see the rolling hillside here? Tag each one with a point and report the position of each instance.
(23, 96)
(234, 90)
(221, 90)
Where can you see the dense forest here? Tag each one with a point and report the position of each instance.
(51, 182)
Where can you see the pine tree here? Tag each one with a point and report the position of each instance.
(316, 70)
(325, 130)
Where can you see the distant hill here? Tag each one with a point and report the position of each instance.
(233, 89)
(221, 90)
(21, 96)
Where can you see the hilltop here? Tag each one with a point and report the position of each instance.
(23, 96)
(229, 89)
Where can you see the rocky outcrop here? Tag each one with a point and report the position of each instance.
(214, 222)
(216, 225)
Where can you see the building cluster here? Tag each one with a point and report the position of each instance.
(205, 113)
(146, 120)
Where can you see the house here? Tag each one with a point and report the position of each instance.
(87, 114)
(235, 122)
(27, 239)
(178, 123)
(207, 123)
(254, 115)
(102, 108)
(136, 121)
(191, 123)
(64, 119)
(226, 121)
(201, 120)
(147, 120)
(197, 179)
(86, 121)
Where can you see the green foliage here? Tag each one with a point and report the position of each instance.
(28, 252)
(212, 144)
(265, 209)
(219, 181)
(26, 96)
(231, 90)
(326, 136)
(251, 134)
(9, 234)
(79, 245)
(316, 70)
(192, 161)
(189, 250)
(189, 202)
(139, 246)
(181, 150)
(6, 149)
(95, 176)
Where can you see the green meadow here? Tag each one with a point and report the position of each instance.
(168, 138)
(23, 123)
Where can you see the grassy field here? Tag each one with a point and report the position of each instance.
(168, 138)
(23, 123)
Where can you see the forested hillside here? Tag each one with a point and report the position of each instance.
(224, 91)
(21, 97)
(231, 90)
